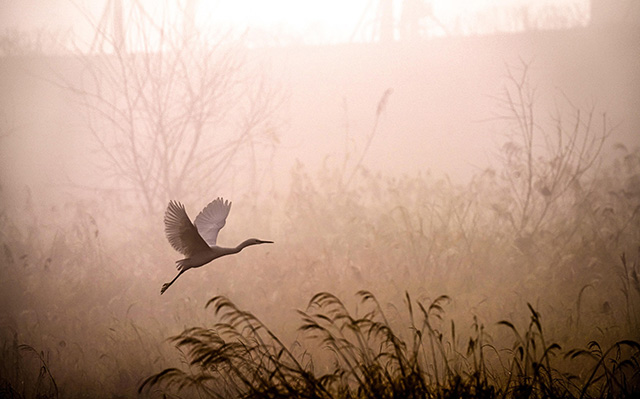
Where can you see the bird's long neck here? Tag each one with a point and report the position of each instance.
(222, 251)
(243, 245)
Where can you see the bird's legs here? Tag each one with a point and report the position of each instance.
(167, 285)
(182, 266)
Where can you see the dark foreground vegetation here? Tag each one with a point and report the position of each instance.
(241, 357)
(347, 355)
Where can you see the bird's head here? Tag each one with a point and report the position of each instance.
(255, 241)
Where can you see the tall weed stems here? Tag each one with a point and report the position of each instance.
(373, 357)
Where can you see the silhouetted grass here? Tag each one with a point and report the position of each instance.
(238, 357)
(370, 357)
(25, 372)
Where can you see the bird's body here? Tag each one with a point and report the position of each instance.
(198, 243)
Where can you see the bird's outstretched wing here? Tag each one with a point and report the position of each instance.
(212, 219)
(181, 233)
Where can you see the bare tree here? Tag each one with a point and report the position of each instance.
(545, 164)
(173, 109)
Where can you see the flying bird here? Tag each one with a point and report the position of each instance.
(198, 243)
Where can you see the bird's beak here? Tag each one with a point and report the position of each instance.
(265, 242)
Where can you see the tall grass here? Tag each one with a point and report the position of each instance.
(25, 372)
(82, 289)
(238, 357)
(371, 357)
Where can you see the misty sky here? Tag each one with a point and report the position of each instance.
(419, 118)
(332, 21)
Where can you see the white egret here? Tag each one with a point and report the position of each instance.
(198, 243)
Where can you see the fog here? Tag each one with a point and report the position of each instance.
(492, 157)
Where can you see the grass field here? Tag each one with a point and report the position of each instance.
(522, 282)
(457, 304)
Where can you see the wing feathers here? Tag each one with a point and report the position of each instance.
(181, 233)
(212, 219)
